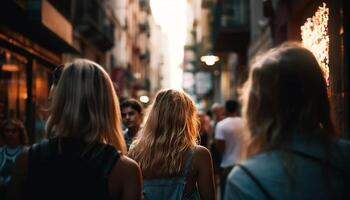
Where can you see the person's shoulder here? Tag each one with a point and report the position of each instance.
(41, 144)
(240, 186)
(264, 164)
(219, 123)
(237, 119)
(124, 169)
(125, 178)
(201, 151)
(229, 120)
(127, 163)
(125, 166)
(201, 155)
(263, 167)
(238, 177)
(222, 124)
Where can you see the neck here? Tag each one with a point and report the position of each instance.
(132, 131)
(231, 114)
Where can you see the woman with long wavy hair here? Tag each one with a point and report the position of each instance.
(84, 155)
(172, 164)
(292, 148)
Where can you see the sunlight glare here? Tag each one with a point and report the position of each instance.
(170, 15)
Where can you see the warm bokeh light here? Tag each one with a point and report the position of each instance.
(210, 60)
(10, 67)
(314, 34)
(137, 75)
(170, 15)
(144, 99)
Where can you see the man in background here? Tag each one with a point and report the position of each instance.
(131, 111)
(228, 133)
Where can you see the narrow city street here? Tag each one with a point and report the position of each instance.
(174, 99)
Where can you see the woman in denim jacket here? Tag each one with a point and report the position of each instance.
(292, 149)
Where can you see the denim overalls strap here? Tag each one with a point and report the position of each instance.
(195, 194)
(188, 163)
(170, 188)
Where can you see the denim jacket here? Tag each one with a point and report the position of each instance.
(307, 177)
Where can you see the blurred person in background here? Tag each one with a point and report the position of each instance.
(292, 149)
(218, 112)
(84, 155)
(228, 139)
(15, 138)
(205, 129)
(173, 165)
(132, 118)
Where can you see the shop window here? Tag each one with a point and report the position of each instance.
(13, 85)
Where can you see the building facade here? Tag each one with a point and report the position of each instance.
(35, 37)
(31, 45)
(277, 21)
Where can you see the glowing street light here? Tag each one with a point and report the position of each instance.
(210, 60)
(144, 99)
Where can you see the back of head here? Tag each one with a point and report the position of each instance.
(231, 106)
(84, 105)
(170, 130)
(218, 110)
(285, 93)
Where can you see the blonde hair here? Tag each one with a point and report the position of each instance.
(170, 130)
(85, 105)
(285, 94)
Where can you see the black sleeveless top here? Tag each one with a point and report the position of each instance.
(66, 168)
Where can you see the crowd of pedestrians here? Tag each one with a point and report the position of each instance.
(279, 144)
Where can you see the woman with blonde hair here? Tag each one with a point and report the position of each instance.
(84, 155)
(172, 164)
(292, 148)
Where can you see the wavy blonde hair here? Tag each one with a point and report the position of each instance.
(286, 94)
(170, 130)
(84, 105)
